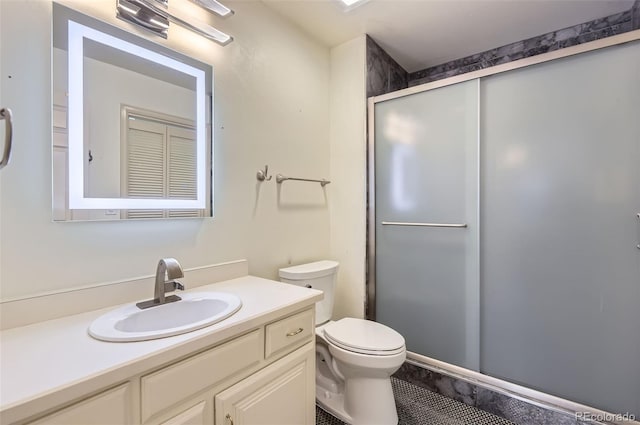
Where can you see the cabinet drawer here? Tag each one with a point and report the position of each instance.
(110, 407)
(288, 333)
(177, 382)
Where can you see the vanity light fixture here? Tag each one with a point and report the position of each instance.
(155, 16)
(159, 23)
(137, 13)
(215, 7)
(129, 8)
(187, 21)
(351, 4)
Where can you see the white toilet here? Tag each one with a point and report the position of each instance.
(354, 357)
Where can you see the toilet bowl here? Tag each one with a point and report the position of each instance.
(355, 358)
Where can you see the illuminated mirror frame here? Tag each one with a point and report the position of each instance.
(77, 200)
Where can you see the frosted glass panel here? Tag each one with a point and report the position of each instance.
(426, 171)
(560, 193)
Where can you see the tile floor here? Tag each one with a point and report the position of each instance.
(419, 406)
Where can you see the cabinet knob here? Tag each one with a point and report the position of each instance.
(229, 420)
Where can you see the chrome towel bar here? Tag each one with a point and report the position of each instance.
(280, 178)
(5, 114)
(397, 223)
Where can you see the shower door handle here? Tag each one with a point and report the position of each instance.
(638, 216)
(399, 223)
(5, 114)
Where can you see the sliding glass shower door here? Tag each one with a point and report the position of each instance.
(507, 225)
(426, 185)
(560, 198)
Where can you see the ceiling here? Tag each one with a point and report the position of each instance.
(423, 33)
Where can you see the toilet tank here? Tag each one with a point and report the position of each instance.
(320, 275)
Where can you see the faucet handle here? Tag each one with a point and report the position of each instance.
(173, 285)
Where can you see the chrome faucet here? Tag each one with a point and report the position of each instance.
(168, 270)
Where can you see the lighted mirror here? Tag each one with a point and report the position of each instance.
(131, 125)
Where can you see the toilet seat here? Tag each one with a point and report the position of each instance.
(364, 337)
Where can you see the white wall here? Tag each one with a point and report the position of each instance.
(348, 110)
(271, 107)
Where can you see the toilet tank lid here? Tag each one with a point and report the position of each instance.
(309, 270)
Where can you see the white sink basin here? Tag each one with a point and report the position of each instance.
(194, 311)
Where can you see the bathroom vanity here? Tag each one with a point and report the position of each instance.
(257, 366)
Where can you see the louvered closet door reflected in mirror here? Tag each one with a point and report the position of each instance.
(426, 208)
(160, 162)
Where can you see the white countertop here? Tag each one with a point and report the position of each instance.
(49, 363)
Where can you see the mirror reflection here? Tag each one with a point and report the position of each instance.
(131, 127)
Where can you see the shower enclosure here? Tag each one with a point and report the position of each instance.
(505, 227)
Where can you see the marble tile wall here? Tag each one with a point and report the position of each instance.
(504, 406)
(384, 74)
(582, 33)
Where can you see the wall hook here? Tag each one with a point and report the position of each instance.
(264, 175)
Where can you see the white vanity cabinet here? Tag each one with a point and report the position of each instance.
(257, 366)
(264, 376)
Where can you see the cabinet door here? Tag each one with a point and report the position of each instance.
(280, 394)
